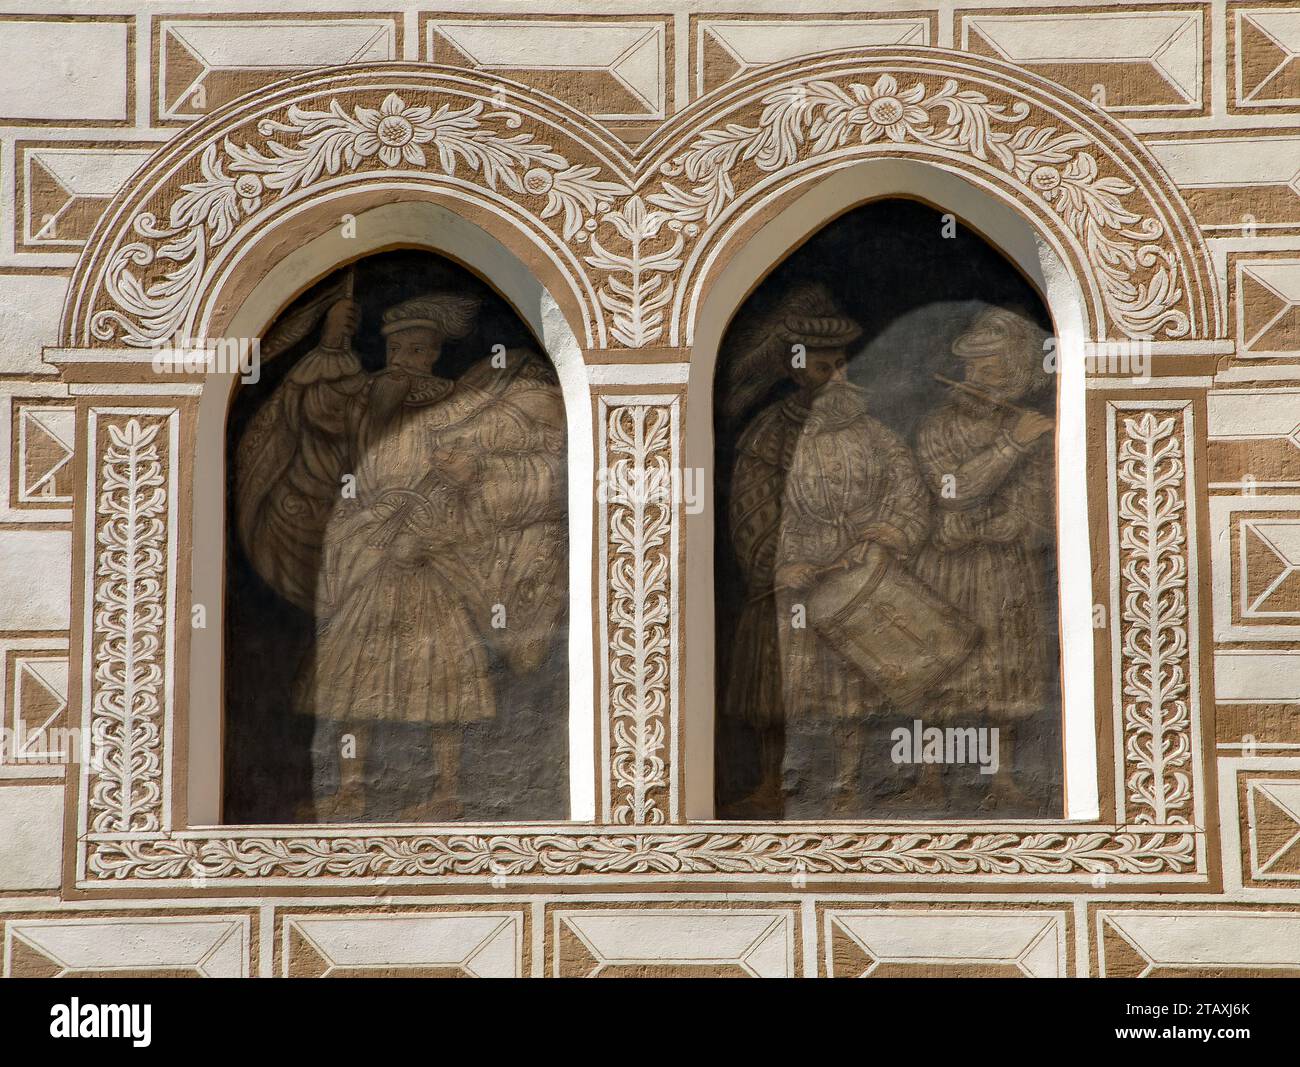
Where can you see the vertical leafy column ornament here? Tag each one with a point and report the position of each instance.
(639, 286)
(1152, 541)
(129, 604)
(638, 514)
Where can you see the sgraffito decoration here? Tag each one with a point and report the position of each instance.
(635, 233)
(629, 242)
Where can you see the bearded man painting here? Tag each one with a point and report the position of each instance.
(818, 480)
(407, 512)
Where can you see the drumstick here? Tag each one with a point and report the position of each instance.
(838, 565)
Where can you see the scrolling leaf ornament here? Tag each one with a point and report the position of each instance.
(1138, 277)
(674, 854)
(313, 145)
(635, 240)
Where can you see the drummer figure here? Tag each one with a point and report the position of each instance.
(817, 480)
(987, 454)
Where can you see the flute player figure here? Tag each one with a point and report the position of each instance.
(987, 457)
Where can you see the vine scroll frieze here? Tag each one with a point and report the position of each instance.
(632, 226)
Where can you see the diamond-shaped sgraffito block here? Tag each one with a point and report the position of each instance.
(39, 705)
(673, 942)
(1273, 814)
(1268, 307)
(1267, 58)
(1127, 62)
(1198, 944)
(728, 48)
(46, 443)
(1269, 581)
(454, 945)
(154, 947)
(930, 944)
(611, 71)
(65, 190)
(203, 63)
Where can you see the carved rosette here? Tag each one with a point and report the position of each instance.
(639, 529)
(1150, 444)
(130, 597)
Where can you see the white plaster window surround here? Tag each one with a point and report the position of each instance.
(440, 230)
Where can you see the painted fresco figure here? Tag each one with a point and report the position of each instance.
(987, 458)
(817, 482)
(417, 518)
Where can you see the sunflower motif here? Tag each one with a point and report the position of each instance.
(1047, 180)
(248, 188)
(394, 132)
(884, 110)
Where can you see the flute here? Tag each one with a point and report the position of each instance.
(972, 390)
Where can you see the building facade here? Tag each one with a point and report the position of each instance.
(624, 176)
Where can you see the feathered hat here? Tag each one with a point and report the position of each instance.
(757, 348)
(449, 315)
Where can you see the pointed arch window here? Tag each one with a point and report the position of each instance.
(396, 585)
(887, 610)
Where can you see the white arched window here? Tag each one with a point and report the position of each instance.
(503, 714)
(811, 705)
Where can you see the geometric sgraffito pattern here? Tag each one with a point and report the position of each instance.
(144, 947)
(1241, 182)
(451, 945)
(44, 445)
(1266, 58)
(1268, 582)
(671, 942)
(1268, 307)
(1128, 62)
(203, 63)
(63, 189)
(726, 48)
(1174, 942)
(38, 706)
(1254, 445)
(611, 70)
(927, 943)
(1273, 829)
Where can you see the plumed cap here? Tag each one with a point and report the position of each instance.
(448, 315)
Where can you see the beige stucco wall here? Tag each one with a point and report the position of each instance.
(90, 92)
